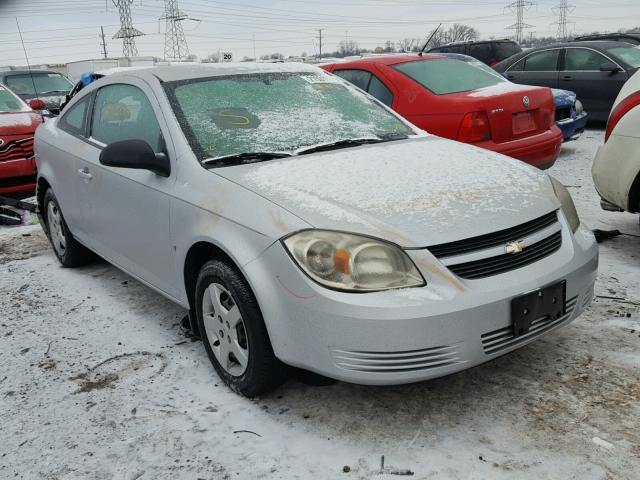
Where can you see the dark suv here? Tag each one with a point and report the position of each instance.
(490, 52)
(632, 38)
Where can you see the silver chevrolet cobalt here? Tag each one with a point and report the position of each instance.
(303, 223)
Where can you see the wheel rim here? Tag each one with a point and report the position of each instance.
(54, 221)
(225, 329)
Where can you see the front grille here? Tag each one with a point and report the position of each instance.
(17, 149)
(396, 362)
(563, 113)
(503, 338)
(503, 263)
(494, 239)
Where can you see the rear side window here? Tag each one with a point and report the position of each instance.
(380, 91)
(360, 78)
(481, 51)
(448, 76)
(73, 120)
(546, 61)
(123, 112)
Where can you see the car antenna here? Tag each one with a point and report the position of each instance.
(428, 40)
(35, 90)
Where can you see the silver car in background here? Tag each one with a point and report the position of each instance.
(303, 223)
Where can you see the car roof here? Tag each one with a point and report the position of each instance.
(204, 70)
(474, 42)
(8, 73)
(610, 35)
(391, 59)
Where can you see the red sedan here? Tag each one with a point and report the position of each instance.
(18, 123)
(454, 98)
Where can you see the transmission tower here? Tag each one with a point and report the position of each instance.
(562, 10)
(175, 43)
(127, 33)
(519, 6)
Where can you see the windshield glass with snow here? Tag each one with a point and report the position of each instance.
(44, 82)
(629, 55)
(275, 112)
(10, 103)
(448, 76)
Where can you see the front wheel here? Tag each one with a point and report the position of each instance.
(68, 250)
(233, 331)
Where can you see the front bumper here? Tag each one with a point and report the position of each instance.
(18, 176)
(573, 128)
(409, 335)
(539, 150)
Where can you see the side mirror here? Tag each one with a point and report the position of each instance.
(135, 154)
(610, 67)
(37, 104)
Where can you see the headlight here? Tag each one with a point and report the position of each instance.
(345, 261)
(566, 202)
(579, 108)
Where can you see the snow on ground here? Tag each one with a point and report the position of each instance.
(98, 382)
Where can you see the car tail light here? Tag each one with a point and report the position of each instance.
(474, 128)
(620, 111)
(493, 63)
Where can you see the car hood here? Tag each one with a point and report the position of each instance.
(416, 192)
(19, 123)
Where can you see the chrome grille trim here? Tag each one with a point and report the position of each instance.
(396, 362)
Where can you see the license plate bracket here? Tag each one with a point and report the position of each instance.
(523, 122)
(546, 302)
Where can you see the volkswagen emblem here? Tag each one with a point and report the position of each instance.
(514, 247)
(1, 142)
(525, 101)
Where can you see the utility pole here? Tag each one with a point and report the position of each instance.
(253, 36)
(562, 10)
(320, 34)
(103, 44)
(519, 6)
(127, 33)
(175, 42)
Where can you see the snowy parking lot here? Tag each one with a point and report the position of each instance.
(97, 381)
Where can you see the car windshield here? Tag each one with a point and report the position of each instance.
(44, 82)
(448, 76)
(629, 55)
(276, 112)
(11, 103)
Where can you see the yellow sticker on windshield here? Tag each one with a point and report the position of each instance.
(234, 117)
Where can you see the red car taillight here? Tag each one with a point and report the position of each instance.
(474, 128)
(620, 111)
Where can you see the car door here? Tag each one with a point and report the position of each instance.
(596, 89)
(126, 212)
(64, 163)
(538, 68)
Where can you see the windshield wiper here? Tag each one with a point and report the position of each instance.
(242, 158)
(352, 142)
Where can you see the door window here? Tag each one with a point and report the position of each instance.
(581, 59)
(73, 119)
(360, 78)
(123, 112)
(546, 61)
(380, 91)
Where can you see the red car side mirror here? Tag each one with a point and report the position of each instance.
(37, 104)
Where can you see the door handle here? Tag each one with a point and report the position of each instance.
(567, 77)
(84, 173)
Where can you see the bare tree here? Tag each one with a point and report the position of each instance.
(461, 33)
(348, 47)
(409, 44)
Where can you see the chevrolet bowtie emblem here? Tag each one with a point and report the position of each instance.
(514, 247)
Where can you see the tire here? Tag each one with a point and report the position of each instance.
(69, 251)
(233, 331)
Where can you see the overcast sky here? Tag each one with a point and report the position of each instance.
(67, 30)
